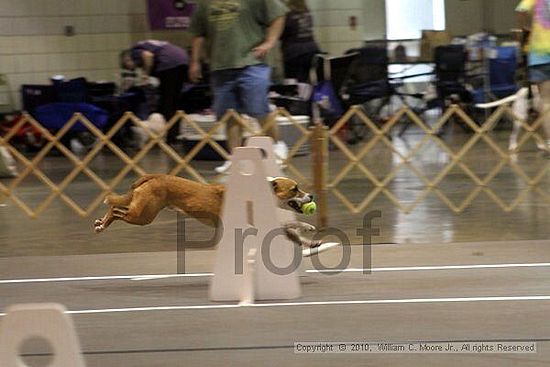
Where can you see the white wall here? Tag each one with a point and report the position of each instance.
(500, 15)
(331, 20)
(33, 47)
(469, 16)
(464, 16)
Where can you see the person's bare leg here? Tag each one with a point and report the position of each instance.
(234, 135)
(544, 90)
(273, 130)
(280, 148)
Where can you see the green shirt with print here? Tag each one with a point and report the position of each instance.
(233, 28)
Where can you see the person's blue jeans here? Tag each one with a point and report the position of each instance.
(244, 90)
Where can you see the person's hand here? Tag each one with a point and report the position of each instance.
(144, 79)
(262, 49)
(195, 72)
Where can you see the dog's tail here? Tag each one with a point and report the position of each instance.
(520, 94)
(123, 200)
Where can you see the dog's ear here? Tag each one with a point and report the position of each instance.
(273, 182)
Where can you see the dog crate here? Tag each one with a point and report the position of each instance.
(190, 137)
(290, 134)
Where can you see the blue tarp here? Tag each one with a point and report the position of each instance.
(54, 116)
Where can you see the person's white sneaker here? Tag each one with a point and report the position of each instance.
(280, 163)
(281, 150)
(224, 168)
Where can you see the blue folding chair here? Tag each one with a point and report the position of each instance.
(502, 76)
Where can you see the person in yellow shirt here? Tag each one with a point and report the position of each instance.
(534, 16)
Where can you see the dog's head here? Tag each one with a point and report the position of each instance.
(288, 194)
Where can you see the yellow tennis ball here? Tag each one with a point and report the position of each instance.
(309, 208)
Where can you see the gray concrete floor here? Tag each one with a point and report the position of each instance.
(60, 244)
(266, 335)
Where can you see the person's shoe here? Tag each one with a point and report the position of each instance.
(224, 168)
(281, 150)
(542, 146)
(280, 163)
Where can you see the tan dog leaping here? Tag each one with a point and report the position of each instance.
(152, 193)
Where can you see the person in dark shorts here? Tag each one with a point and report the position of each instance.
(168, 63)
(534, 16)
(297, 42)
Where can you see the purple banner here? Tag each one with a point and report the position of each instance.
(170, 14)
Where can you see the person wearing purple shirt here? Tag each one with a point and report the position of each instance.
(168, 63)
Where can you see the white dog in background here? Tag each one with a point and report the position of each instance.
(520, 106)
(155, 123)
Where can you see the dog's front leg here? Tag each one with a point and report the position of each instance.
(300, 226)
(293, 234)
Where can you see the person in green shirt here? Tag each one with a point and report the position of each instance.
(238, 35)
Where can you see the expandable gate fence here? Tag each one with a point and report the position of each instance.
(454, 114)
(132, 163)
(325, 142)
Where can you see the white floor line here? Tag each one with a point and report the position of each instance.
(312, 303)
(106, 277)
(138, 277)
(436, 267)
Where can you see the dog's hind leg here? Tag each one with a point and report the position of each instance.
(140, 211)
(520, 111)
(102, 223)
(131, 215)
(520, 107)
(112, 214)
